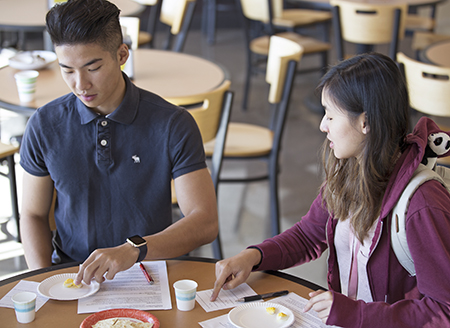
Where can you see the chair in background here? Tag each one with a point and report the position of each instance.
(252, 142)
(417, 22)
(261, 14)
(176, 14)
(429, 90)
(290, 18)
(154, 8)
(131, 27)
(367, 25)
(7, 154)
(211, 112)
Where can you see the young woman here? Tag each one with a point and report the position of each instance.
(368, 160)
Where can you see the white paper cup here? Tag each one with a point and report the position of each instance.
(25, 306)
(26, 85)
(185, 291)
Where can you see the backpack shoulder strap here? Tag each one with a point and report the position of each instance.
(398, 225)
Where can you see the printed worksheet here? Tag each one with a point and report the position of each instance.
(226, 299)
(130, 289)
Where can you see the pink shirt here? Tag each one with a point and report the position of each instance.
(346, 244)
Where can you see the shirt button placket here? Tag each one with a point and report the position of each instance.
(103, 143)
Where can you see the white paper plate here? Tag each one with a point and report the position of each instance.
(254, 315)
(32, 59)
(53, 288)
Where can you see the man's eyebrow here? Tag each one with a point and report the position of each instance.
(93, 61)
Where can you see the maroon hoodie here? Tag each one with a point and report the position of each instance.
(399, 299)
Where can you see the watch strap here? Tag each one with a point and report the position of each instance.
(142, 253)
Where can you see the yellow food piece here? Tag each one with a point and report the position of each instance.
(270, 310)
(282, 316)
(69, 283)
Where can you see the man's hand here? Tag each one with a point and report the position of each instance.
(320, 302)
(106, 263)
(232, 272)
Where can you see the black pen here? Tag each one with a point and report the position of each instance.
(263, 296)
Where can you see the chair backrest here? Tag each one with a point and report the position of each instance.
(259, 10)
(282, 62)
(130, 26)
(206, 109)
(178, 15)
(367, 23)
(211, 111)
(281, 52)
(147, 2)
(428, 86)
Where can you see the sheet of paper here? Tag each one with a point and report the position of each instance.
(226, 299)
(23, 286)
(292, 301)
(129, 289)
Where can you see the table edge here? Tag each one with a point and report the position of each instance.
(282, 275)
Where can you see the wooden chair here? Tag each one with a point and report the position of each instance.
(253, 142)
(368, 24)
(416, 22)
(131, 27)
(176, 14)
(429, 90)
(261, 13)
(7, 154)
(212, 113)
(154, 8)
(286, 18)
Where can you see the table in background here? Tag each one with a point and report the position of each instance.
(437, 53)
(166, 73)
(64, 313)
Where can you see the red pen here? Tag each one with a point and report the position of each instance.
(146, 274)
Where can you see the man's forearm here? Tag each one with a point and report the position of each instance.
(37, 242)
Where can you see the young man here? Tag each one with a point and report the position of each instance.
(110, 150)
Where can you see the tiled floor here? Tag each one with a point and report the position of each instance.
(243, 209)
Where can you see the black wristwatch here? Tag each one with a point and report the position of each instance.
(141, 243)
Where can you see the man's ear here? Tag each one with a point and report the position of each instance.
(122, 54)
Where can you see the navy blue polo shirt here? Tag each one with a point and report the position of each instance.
(112, 174)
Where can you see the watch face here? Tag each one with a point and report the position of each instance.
(137, 240)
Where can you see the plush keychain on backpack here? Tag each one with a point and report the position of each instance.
(438, 144)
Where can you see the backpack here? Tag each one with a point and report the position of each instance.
(398, 224)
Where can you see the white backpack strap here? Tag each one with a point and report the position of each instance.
(398, 225)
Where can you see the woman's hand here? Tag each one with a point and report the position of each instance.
(320, 302)
(235, 270)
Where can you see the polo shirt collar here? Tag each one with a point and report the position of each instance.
(125, 113)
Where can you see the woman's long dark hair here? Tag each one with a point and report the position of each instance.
(371, 84)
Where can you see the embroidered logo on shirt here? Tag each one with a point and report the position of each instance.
(136, 159)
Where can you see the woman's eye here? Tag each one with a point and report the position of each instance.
(94, 69)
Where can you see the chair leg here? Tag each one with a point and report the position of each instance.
(217, 248)
(274, 202)
(248, 76)
(212, 14)
(13, 192)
